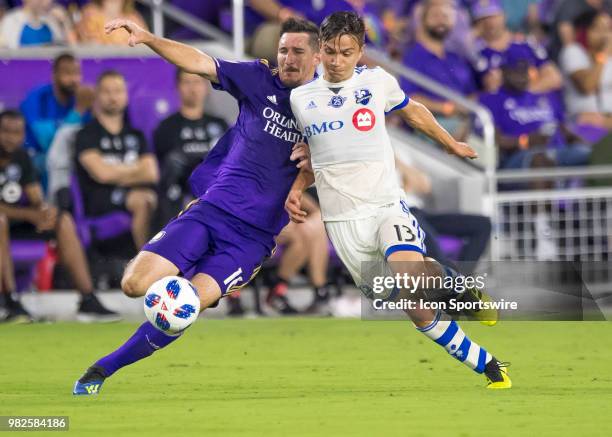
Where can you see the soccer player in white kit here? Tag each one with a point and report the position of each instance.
(342, 116)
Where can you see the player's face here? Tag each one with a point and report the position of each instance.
(12, 134)
(339, 57)
(192, 89)
(112, 95)
(297, 60)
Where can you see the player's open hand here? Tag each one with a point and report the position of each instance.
(137, 34)
(293, 206)
(301, 153)
(462, 150)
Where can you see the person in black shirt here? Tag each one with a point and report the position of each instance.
(182, 141)
(115, 169)
(24, 215)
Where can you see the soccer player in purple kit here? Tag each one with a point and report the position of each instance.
(223, 237)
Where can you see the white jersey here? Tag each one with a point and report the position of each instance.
(352, 157)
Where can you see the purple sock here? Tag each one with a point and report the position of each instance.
(146, 340)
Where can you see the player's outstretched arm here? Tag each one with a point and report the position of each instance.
(420, 118)
(185, 57)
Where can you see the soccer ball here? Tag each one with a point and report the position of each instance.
(172, 304)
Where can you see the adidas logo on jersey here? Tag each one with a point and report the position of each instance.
(272, 98)
(311, 105)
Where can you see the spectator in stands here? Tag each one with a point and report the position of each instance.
(530, 131)
(115, 169)
(90, 28)
(587, 67)
(566, 13)
(305, 244)
(460, 39)
(430, 57)
(47, 107)
(30, 218)
(37, 22)
(496, 39)
(474, 230)
(263, 19)
(182, 141)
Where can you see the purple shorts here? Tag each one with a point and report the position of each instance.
(206, 239)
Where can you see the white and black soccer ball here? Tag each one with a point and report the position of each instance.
(172, 304)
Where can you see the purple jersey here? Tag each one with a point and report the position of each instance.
(452, 71)
(248, 173)
(530, 50)
(517, 114)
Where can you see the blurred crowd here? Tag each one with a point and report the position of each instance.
(75, 172)
(541, 66)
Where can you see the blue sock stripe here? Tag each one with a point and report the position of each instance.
(448, 334)
(481, 361)
(433, 323)
(464, 348)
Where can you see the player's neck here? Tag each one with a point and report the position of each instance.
(329, 79)
(192, 112)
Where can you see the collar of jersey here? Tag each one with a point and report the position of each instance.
(336, 84)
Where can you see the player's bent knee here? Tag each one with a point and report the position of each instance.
(134, 285)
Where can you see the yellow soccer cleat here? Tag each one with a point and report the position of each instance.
(486, 316)
(497, 375)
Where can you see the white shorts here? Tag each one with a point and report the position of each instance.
(363, 245)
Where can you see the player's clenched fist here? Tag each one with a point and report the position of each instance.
(293, 206)
(137, 34)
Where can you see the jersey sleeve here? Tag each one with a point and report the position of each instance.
(395, 97)
(84, 141)
(238, 78)
(29, 174)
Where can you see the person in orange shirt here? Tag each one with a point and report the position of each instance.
(90, 28)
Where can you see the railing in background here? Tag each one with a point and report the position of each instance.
(571, 221)
(161, 8)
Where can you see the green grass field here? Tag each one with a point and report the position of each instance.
(319, 377)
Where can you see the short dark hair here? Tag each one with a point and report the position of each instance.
(343, 23)
(10, 113)
(108, 73)
(63, 57)
(293, 25)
